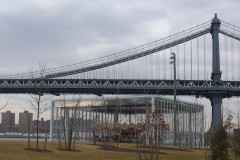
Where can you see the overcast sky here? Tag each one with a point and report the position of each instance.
(64, 32)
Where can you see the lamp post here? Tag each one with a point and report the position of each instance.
(173, 61)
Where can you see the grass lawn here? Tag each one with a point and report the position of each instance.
(14, 150)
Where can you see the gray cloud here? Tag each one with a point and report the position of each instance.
(64, 32)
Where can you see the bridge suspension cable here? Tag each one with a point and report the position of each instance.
(230, 34)
(124, 57)
(129, 57)
(230, 30)
(121, 57)
(231, 43)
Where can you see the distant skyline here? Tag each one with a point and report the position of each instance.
(63, 32)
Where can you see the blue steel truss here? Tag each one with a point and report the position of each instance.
(119, 86)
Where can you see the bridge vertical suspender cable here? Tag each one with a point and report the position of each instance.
(238, 60)
(225, 48)
(108, 72)
(184, 56)
(114, 71)
(177, 56)
(158, 69)
(138, 67)
(95, 72)
(142, 67)
(191, 59)
(152, 70)
(135, 68)
(235, 68)
(161, 74)
(132, 69)
(122, 73)
(164, 62)
(171, 65)
(161, 71)
(204, 56)
(232, 58)
(198, 58)
(147, 66)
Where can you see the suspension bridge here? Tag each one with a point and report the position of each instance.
(201, 69)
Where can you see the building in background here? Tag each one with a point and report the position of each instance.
(8, 121)
(24, 119)
(128, 113)
(41, 125)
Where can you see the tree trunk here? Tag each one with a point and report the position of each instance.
(138, 146)
(59, 140)
(94, 137)
(38, 114)
(74, 140)
(119, 137)
(46, 134)
(70, 139)
(195, 131)
(64, 130)
(37, 130)
(158, 146)
(180, 140)
(29, 132)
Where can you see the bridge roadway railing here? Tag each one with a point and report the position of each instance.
(121, 86)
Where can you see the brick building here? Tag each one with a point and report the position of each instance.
(8, 121)
(23, 121)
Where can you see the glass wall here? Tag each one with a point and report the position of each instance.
(122, 115)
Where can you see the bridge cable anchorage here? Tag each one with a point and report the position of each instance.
(123, 56)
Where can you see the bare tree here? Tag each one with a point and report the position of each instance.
(155, 127)
(63, 112)
(39, 101)
(71, 124)
(3, 106)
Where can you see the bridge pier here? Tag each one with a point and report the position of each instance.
(216, 102)
(216, 98)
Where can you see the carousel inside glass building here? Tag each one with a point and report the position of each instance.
(126, 119)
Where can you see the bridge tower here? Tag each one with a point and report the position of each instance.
(215, 96)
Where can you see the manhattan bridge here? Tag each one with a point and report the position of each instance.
(208, 65)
